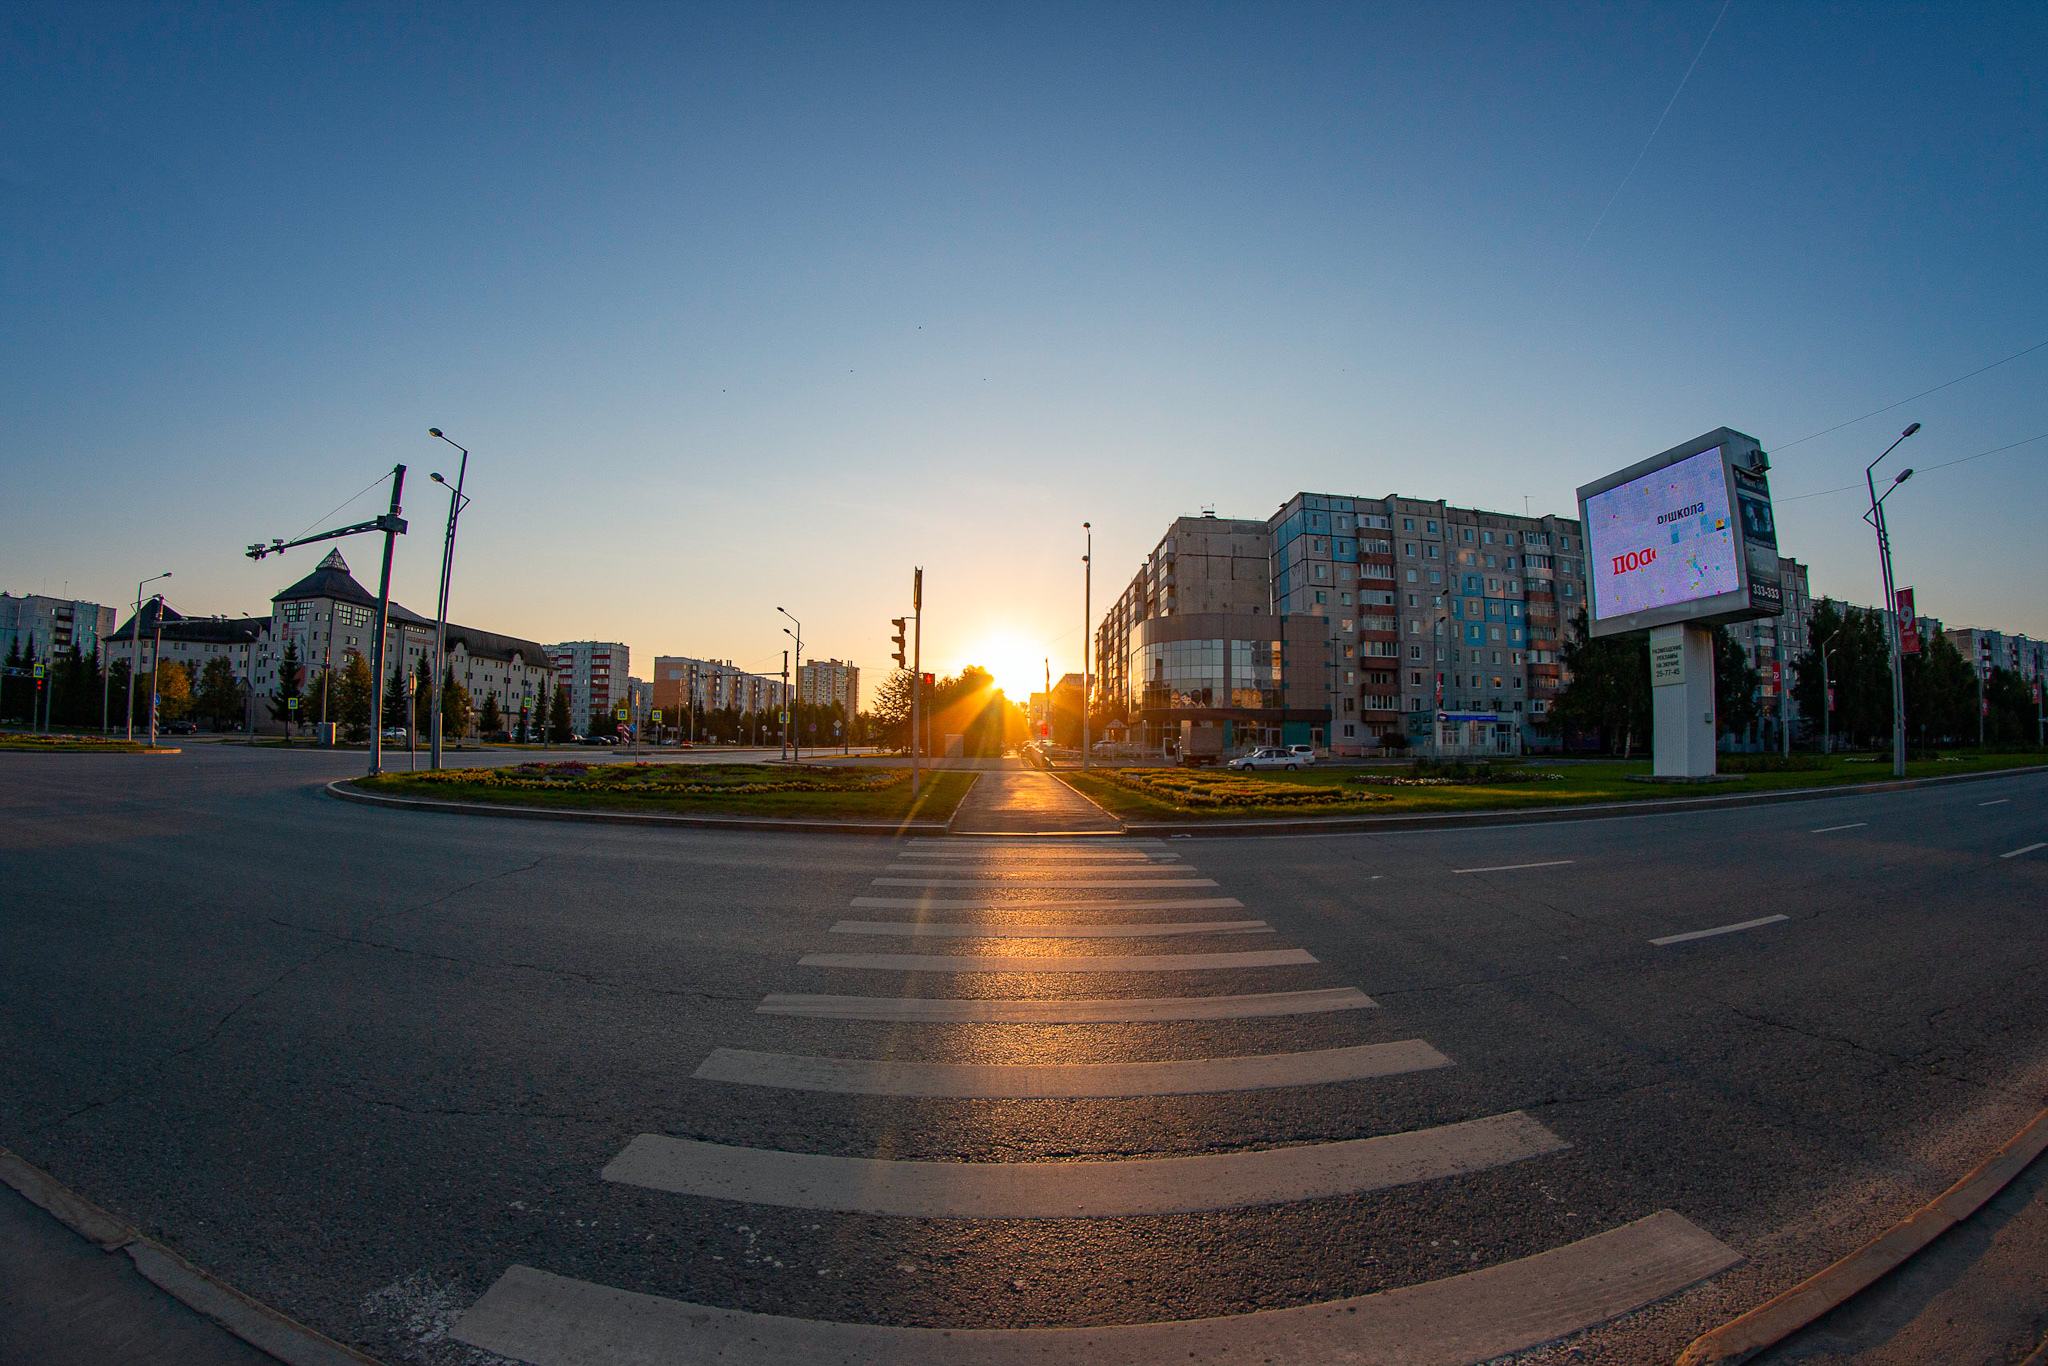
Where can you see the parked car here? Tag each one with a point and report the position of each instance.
(181, 728)
(394, 735)
(1267, 758)
(1305, 753)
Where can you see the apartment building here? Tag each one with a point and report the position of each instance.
(595, 672)
(1986, 650)
(682, 683)
(1206, 564)
(821, 682)
(53, 626)
(1761, 641)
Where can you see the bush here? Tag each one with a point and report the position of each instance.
(1196, 788)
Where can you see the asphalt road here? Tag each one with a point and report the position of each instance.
(361, 1062)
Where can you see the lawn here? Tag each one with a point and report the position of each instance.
(765, 790)
(30, 742)
(1150, 794)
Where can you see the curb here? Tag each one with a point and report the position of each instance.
(343, 790)
(249, 1319)
(1778, 1318)
(1527, 815)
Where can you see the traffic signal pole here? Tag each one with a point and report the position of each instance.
(916, 675)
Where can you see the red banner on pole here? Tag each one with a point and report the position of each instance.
(1909, 629)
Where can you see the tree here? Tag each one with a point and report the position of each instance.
(354, 691)
(289, 675)
(456, 708)
(18, 685)
(2015, 716)
(422, 697)
(1858, 666)
(1736, 683)
(395, 699)
(558, 717)
(889, 716)
(220, 694)
(1941, 694)
(1609, 691)
(491, 719)
(173, 686)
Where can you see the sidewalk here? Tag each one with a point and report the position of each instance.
(1024, 802)
(66, 1303)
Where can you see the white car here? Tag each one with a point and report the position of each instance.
(1268, 758)
(1305, 753)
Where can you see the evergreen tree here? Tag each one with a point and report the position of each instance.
(490, 719)
(353, 693)
(1858, 666)
(10, 686)
(394, 698)
(456, 708)
(220, 694)
(558, 717)
(1736, 683)
(1609, 691)
(289, 675)
(423, 700)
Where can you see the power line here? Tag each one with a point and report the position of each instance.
(1904, 401)
(1926, 469)
(342, 504)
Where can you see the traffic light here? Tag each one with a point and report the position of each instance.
(902, 653)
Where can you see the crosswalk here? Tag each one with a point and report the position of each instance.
(1021, 928)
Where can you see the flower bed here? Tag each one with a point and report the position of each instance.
(665, 780)
(1196, 788)
(1455, 773)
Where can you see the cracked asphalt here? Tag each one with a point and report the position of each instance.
(360, 1061)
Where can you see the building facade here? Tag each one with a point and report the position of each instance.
(821, 682)
(595, 672)
(53, 626)
(1762, 640)
(1985, 650)
(683, 683)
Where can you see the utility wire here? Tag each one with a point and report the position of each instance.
(342, 504)
(1668, 107)
(1926, 469)
(1922, 394)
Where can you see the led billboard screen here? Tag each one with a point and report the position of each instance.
(1663, 539)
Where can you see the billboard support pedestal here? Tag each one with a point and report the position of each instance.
(1682, 700)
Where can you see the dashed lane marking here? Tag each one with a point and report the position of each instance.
(1516, 867)
(1077, 1190)
(1056, 882)
(973, 1010)
(552, 1320)
(914, 903)
(2000, 802)
(1181, 1077)
(1718, 929)
(2025, 849)
(1830, 829)
(1135, 875)
(1042, 855)
(1119, 962)
(985, 930)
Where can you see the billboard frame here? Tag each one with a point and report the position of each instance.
(1744, 470)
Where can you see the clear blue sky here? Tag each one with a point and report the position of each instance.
(761, 306)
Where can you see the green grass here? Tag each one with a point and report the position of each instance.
(28, 742)
(1605, 781)
(771, 791)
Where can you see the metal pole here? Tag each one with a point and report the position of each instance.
(1784, 694)
(785, 704)
(383, 625)
(441, 608)
(1891, 606)
(1087, 611)
(156, 652)
(1980, 696)
(916, 675)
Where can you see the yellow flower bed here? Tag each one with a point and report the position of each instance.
(663, 780)
(1197, 787)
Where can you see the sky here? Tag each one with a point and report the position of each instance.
(739, 308)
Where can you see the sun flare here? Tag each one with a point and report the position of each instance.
(1017, 665)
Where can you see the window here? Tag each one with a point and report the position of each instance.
(1490, 563)
(1432, 552)
(1411, 596)
(1411, 579)
(1508, 539)
(1414, 626)
(1432, 528)
(1321, 596)
(1348, 728)
(1468, 535)
(1407, 524)
(1415, 652)
(1489, 541)
(1496, 633)
(1436, 576)
(1344, 599)
(1344, 572)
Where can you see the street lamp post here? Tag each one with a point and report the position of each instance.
(1827, 699)
(134, 652)
(1891, 606)
(1087, 611)
(456, 502)
(796, 733)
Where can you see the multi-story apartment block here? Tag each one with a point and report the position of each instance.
(595, 672)
(1762, 641)
(821, 682)
(53, 626)
(1205, 564)
(1987, 650)
(682, 684)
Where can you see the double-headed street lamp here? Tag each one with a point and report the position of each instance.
(134, 654)
(790, 726)
(1891, 602)
(456, 503)
(1827, 701)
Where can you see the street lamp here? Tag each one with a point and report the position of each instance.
(456, 502)
(1891, 606)
(1087, 611)
(134, 649)
(1827, 700)
(797, 738)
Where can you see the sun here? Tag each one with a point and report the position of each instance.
(1017, 665)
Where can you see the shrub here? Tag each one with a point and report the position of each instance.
(1195, 788)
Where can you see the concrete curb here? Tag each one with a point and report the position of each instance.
(249, 1319)
(344, 790)
(1778, 1318)
(1343, 825)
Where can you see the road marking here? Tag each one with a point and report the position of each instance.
(2000, 802)
(554, 1320)
(1181, 1077)
(2025, 849)
(1140, 883)
(912, 903)
(1056, 1010)
(1078, 1190)
(1719, 929)
(1830, 829)
(1133, 876)
(1120, 962)
(955, 930)
(1046, 855)
(1513, 867)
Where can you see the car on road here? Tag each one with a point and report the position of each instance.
(1305, 753)
(181, 728)
(1267, 758)
(394, 735)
